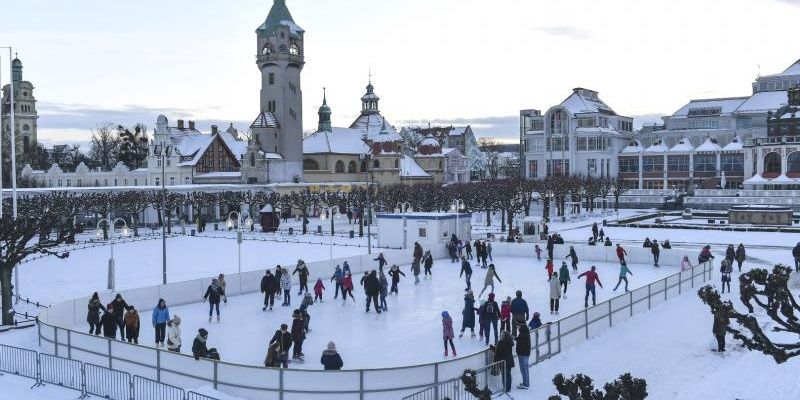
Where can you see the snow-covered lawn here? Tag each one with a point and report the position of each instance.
(409, 333)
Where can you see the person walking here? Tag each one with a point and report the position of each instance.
(427, 262)
(519, 311)
(384, 287)
(468, 314)
(372, 288)
(120, 307)
(550, 245)
(730, 253)
(278, 277)
(109, 322)
(488, 252)
(725, 269)
(591, 279)
(417, 254)
(740, 256)
(269, 286)
(504, 351)
(93, 315)
(719, 328)
(214, 295)
(302, 272)
(595, 231)
(286, 286)
(224, 286)
(415, 270)
(466, 272)
(505, 314)
(174, 334)
(623, 276)
(523, 354)
(331, 360)
(555, 293)
(447, 332)
(796, 256)
(160, 316)
(307, 302)
(483, 327)
(564, 278)
(338, 278)
(538, 251)
(283, 340)
(395, 273)
(574, 256)
(132, 325)
(298, 336)
(492, 315)
(621, 253)
(488, 281)
(656, 250)
(319, 287)
(347, 288)
(381, 261)
(549, 267)
(686, 264)
(468, 249)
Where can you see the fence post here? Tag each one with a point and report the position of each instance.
(692, 271)
(55, 340)
(680, 282)
(586, 321)
(435, 381)
(610, 314)
(649, 295)
(630, 301)
(69, 344)
(666, 289)
(549, 346)
(158, 365)
(83, 381)
(280, 384)
(361, 384)
(109, 354)
(536, 337)
(559, 336)
(215, 375)
(39, 332)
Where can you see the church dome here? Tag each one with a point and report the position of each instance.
(430, 146)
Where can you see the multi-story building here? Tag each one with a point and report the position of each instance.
(25, 114)
(455, 137)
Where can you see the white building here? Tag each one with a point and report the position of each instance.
(427, 229)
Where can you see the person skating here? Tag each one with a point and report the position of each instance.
(595, 231)
(591, 279)
(468, 314)
(488, 252)
(427, 262)
(538, 251)
(488, 281)
(504, 351)
(451, 250)
(656, 251)
(331, 360)
(174, 334)
(796, 256)
(347, 287)
(621, 253)
(345, 268)
(417, 255)
(549, 268)
(602, 234)
(283, 339)
(109, 322)
(555, 293)
(307, 302)
(372, 288)
(338, 278)
(286, 286)
(564, 278)
(224, 286)
(214, 295)
(725, 269)
(466, 272)
(269, 286)
(550, 245)
(574, 256)
(298, 336)
(740, 256)
(686, 264)
(95, 306)
(719, 329)
(492, 315)
(200, 348)
(468, 248)
(483, 327)
(519, 311)
(381, 261)
(302, 272)
(384, 286)
(447, 332)
(730, 254)
(132, 325)
(415, 270)
(523, 354)
(278, 276)
(505, 314)
(647, 243)
(120, 306)
(536, 321)
(395, 273)
(319, 287)
(160, 316)
(623, 276)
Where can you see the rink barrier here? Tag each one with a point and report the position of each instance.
(17, 361)
(148, 389)
(251, 381)
(61, 372)
(491, 376)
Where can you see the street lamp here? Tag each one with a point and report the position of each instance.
(550, 197)
(99, 233)
(457, 207)
(248, 222)
(163, 151)
(331, 213)
(403, 208)
(367, 159)
(616, 206)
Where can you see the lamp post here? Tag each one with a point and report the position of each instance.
(366, 158)
(457, 207)
(99, 233)
(330, 213)
(550, 197)
(616, 207)
(163, 152)
(403, 208)
(248, 222)
(12, 132)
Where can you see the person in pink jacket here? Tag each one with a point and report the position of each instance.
(447, 333)
(318, 288)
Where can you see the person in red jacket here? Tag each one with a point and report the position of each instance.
(621, 253)
(505, 315)
(549, 268)
(347, 287)
(318, 288)
(591, 278)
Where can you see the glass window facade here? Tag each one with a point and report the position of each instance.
(678, 163)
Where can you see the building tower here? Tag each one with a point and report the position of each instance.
(369, 102)
(280, 58)
(25, 114)
(324, 115)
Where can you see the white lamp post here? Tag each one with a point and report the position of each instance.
(330, 213)
(163, 152)
(403, 208)
(248, 222)
(457, 207)
(124, 232)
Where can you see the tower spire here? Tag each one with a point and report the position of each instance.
(324, 114)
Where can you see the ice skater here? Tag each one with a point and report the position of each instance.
(269, 286)
(564, 278)
(384, 286)
(415, 270)
(549, 267)
(591, 279)
(302, 270)
(381, 261)
(574, 256)
(466, 272)
(347, 288)
(726, 268)
(623, 276)
(298, 336)
(214, 295)
(555, 293)
(286, 285)
(488, 281)
(621, 253)
(338, 278)
(427, 262)
(447, 333)
(372, 289)
(505, 314)
(395, 273)
(468, 314)
(492, 315)
(656, 250)
(224, 286)
(538, 251)
(319, 287)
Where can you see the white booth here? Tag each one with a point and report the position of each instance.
(428, 229)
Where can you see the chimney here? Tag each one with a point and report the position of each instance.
(214, 129)
(180, 124)
(191, 125)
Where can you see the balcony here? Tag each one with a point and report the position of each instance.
(775, 140)
(275, 57)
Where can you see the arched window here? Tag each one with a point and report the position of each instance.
(310, 165)
(352, 168)
(397, 163)
(376, 164)
(339, 167)
(772, 165)
(793, 165)
(363, 166)
(26, 127)
(267, 49)
(294, 49)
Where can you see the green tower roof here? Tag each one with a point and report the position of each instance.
(278, 15)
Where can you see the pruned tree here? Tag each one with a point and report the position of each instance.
(104, 146)
(102, 205)
(133, 203)
(133, 145)
(769, 293)
(581, 387)
(618, 188)
(198, 200)
(303, 201)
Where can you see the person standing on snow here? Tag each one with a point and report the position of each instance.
(415, 270)
(623, 276)
(574, 256)
(283, 339)
(298, 336)
(730, 254)
(550, 245)
(492, 315)
(286, 286)
(132, 325)
(372, 288)
(347, 287)
(338, 278)
(318, 288)
(307, 302)
(563, 278)
(555, 293)
(269, 286)
(427, 262)
(549, 267)
(686, 264)
(504, 351)
(595, 231)
(656, 250)
(491, 274)
(591, 279)
(524, 354)
(538, 251)
(214, 295)
(417, 255)
(519, 311)
(224, 286)
(93, 315)
(726, 269)
(331, 359)
(468, 314)
(395, 273)
(120, 306)
(621, 253)
(160, 316)
(302, 270)
(384, 290)
(505, 314)
(796, 256)
(174, 334)
(447, 332)
(488, 252)
(109, 322)
(740, 256)
(278, 276)
(466, 272)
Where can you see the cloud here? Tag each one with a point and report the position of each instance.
(792, 2)
(504, 128)
(649, 119)
(564, 31)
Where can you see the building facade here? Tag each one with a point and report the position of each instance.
(25, 114)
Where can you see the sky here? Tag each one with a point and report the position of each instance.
(447, 62)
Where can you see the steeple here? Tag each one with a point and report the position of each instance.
(369, 102)
(16, 69)
(324, 114)
(278, 15)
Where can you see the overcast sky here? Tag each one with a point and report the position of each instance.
(444, 61)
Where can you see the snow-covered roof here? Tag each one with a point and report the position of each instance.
(339, 141)
(683, 145)
(736, 144)
(633, 146)
(220, 174)
(189, 144)
(430, 141)
(265, 120)
(756, 179)
(279, 15)
(458, 130)
(783, 179)
(726, 105)
(294, 29)
(409, 168)
(762, 102)
(237, 147)
(372, 124)
(708, 145)
(452, 150)
(657, 147)
(577, 103)
(793, 69)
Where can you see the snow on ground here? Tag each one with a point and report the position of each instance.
(408, 334)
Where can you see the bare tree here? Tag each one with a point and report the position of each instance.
(104, 145)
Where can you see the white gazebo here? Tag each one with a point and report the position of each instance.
(429, 229)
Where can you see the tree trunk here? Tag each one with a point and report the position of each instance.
(160, 219)
(502, 220)
(7, 294)
(488, 217)
(135, 223)
(169, 223)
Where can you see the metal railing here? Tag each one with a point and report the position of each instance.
(86, 378)
(491, 377)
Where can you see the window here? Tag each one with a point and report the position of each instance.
(591, 166)
(80, 182)
(272, 106)
(59, 182)
(705, 163)
(705, 112)
(158, 181)
(653, 164)
(397, 163)
(629, 164)
(159, 161)
(625, 126)
(733, 163)
(772, 165)
(115, 181)
(744, 123)
(363, 166)
(422, 229)
(135, 182)
(253, 160)
(586, 122)
(376, 164)
(267, 49)
(536, 125)
(659, 184)
(591, 143)
(294, 49)
(271, 78)
(172, 181)
(793, 165)
(704, 124)
(557, 144)
(339, 167)
(186, 180)
(533, 168)
(69, 182)
(678, 163)
(557, 167)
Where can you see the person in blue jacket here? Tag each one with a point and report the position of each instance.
(519, 312)
(160, 318)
